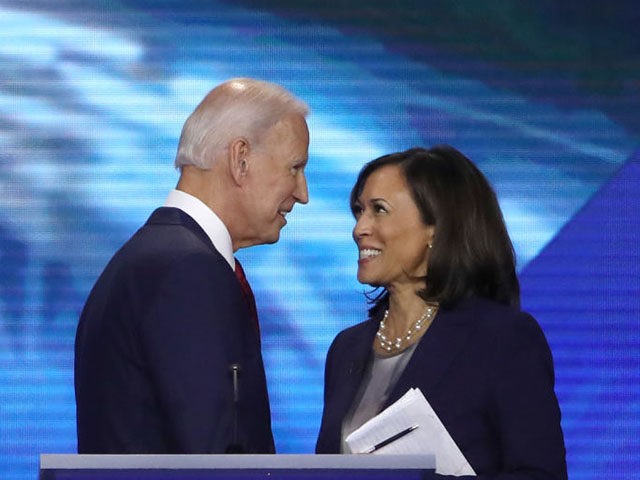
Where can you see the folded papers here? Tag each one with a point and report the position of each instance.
(425, 433)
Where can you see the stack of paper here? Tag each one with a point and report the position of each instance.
(430, 436)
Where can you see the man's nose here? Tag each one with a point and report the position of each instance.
(301, 193)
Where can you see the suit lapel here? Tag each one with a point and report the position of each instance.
(443, 342)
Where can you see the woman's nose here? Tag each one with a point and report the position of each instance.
(361, 228)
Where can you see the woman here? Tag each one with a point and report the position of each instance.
(431, 235)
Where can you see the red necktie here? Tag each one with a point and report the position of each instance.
(247, 293)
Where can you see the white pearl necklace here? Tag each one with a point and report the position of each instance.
(399, 343)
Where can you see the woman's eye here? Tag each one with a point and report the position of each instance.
(379, 209)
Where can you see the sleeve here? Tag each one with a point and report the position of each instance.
(325, 442)
(527, 409)
(524, 408)
(190, 335)
(329, 368)
(342, 376)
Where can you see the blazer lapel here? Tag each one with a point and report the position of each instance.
(358, 353)
(438, 348)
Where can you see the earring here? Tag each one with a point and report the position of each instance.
(430, 245)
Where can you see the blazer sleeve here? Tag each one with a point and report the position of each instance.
(190, 335)
(328, 440)
(523, 406)
(526, 407)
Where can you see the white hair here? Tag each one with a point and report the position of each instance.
(240, 107)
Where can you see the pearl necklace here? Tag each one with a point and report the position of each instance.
(400, 343)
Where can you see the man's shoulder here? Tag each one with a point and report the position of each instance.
(165, 242)
(170, 230)
(172, 220)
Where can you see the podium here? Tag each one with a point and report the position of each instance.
(235, 467)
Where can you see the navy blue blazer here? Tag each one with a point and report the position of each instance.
(486, 369)
(157, 336)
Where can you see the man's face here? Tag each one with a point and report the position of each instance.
(277, 179)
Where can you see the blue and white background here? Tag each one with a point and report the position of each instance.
(543, 95)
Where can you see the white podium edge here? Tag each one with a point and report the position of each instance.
(50, 461)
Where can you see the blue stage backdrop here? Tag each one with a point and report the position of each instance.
(544, 96)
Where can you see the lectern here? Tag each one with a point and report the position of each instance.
(235, 467)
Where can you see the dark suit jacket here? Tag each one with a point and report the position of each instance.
(486, 370)
(154, 346)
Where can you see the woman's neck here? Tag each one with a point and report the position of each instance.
(404, 323)
(405, 307)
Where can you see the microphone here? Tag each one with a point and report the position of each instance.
(235, 373)
(234, 446)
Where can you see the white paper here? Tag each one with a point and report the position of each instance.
(431, 436)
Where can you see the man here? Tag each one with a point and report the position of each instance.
(167, 356)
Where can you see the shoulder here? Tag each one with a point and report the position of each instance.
(352, 337)
(171, 239)
(491, 314)
(172, 229)
(505, 333)
(356, 331)
(167, 258)
(496, 322)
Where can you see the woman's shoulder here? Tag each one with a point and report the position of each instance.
(358, 329)
(360, 332)
(490, 317)
(505, 329)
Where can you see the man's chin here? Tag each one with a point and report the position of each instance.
(273, 238)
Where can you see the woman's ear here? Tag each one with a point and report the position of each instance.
(431, 235)
(239, 159)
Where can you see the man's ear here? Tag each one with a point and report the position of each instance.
(239, 159)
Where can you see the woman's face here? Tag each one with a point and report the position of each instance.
(393, 242)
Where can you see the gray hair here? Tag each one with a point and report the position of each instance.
(240, 107)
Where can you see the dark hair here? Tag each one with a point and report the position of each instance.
(472, 253)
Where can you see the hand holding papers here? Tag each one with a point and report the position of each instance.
(430, 435)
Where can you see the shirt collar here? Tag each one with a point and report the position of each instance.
(207, 219)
